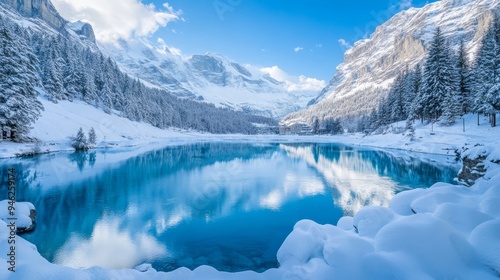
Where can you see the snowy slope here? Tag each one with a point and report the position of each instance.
(433, 139)
(209, 77)
(61, 121)
(372, 64)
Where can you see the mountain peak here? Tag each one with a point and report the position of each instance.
(83, 29)
(42, 9)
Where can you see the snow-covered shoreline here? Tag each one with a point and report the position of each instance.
(61, 121)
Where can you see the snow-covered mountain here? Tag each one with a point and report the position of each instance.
(42, 16)
(208, 77)
(66, 63)
(372, 64)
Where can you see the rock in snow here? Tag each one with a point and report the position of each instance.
(23, 213)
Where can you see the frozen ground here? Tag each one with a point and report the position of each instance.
(444, 232)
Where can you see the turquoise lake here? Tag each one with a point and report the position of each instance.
(227, 205)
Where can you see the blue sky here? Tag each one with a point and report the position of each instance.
(300, 37)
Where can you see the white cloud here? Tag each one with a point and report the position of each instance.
(319, 45)
(298, 49)
(405, 4)
(118, 19)
(292, 83)
(344, 43)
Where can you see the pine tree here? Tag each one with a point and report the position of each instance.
(105, 97)
(88, 88)
(452, 104)
(464, 79)
(315, 126)
(383, 113)
(440, 85)
(373, 122)
(415, 105)
(484, 73)
(493, 95)
(337, 127)
(53, 64)
(411, 129)
(92, 137)
(80, 141)
(396, 99)
(53, 84)
(19, 106)
(70, 74)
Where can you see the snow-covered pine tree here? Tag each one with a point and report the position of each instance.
(493, 95)
(415, 105)
(52, 82)
(70, 74)
(19, 106)
(315, 126)
(105, 96)
(88, 88)
(484, 73)
(396, 98)
(383, 113)
(372, 122)
(452, 104)
(80, 142)
(411, 129)
(440, 85)
(92, 137)
(53, 65)
(337, 127)
(464, 79)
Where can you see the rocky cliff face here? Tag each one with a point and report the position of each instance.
(372, 64)
(83, 30)
(42, 9)
(42, 13)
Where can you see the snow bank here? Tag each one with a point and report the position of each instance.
(21, 213)
(444, 232)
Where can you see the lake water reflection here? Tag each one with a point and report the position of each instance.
(225, 205)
